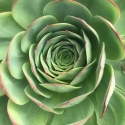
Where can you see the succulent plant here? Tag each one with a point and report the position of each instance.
(62, 62)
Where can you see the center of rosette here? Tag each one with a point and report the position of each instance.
(64, 55)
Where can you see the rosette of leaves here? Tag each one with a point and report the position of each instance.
(57, 59)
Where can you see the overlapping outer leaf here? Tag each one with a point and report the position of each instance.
(58, 67)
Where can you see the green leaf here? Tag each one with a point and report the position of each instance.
(23, 115)
(71, 35)
(101, 64)
(119, 69)
(60, 88)
(91, 82)
(48, 58)
(81, 60)
(93, 79)
(105, 89)
(77, 45)
(4, 118)
(1, 92)
(89, 31)
(67, 8)
(120, 24)
(122, 37)
(109, 34)
(77, 96)
(25, 12)
(33, 29)
(4, 43)
(15, 58)
(56, 28)
(105, 8)
(83, 74)
(34, 83)
(12, 87)
(8, 29)
(120, 91)
(69, 75)
(39, 48)
(92, 120)
(88, 48)
(5, 5)
(59, 67)
(115, 112)
(28, 114)
(78, 114)
(44, 103)
(45, 66)
(7, 25)
(88, 86)
(52, 41)
(50, 79)
(33, 65)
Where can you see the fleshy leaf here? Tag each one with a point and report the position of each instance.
(69, 75)
(8, 29)
(81, 60)
(119, 69)
(5, 5)
(71, 35)
(25, 12)
(7, 25)
(4, 43)
(4, 118)
(71, 101)
(12, 87)
(120, 91)
(33, 29)
(58, 101)
(15, 58)
(45, 66)
(88, 48)
(89, 31)
(28, 114)
(60, 88)
(50, 79)
(105, 89)
(33, 66)
(76, 115)
(106, 8)
(101, 64)
(75, 97)
(56, 28)
(92, 120)
(78, 46)
(115, 112)
(44, 103)
(34, 83)
(23, 115)
(1, 92)
(89, 85)
(40, 47)
(110, 37)
(120, 24)
(52, 41)
(67, 8)
(83, 74)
